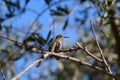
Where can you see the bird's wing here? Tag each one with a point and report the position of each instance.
(52, 47)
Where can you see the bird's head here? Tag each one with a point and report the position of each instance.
(60, 37)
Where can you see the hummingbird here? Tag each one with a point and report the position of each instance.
(56, 45)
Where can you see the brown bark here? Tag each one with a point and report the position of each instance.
(115, 26)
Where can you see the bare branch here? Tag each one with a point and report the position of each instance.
(28, 68)
(3, 75)
(36, 49)
(99, 48)
(88, 52)
(67, 58)
(40, 49)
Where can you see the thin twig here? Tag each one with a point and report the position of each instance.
(3, 75)
(40, 49)
(89, 53)
(100, 50)
(29, 9)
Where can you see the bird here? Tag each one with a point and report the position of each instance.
(56, 44)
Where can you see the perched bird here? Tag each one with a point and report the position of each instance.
(56, 45)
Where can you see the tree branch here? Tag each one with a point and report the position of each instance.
(99, 48)
(36, 49)
(47, 54)
(66, 57)
(3, 75)
(89, 53)
(40, 49)
(26, 69)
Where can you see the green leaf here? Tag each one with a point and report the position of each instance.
(56, 13)
(65, 25)
(63, 9)
(9, 15)
(28, 39)
(18, 56)
(51, 40)
(26, 1)
(0, 27)
(48, 1)
(1, 20)
(18, 4)
(39, 39)
(48, 36)
(10, 3)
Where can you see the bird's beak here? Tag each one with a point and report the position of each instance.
(66, 37)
